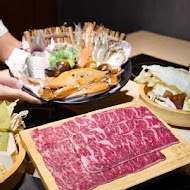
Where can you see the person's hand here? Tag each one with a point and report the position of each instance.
(11, 89)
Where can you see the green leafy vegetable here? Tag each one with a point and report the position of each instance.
(63, 53)
(5, 120)
(4, 140)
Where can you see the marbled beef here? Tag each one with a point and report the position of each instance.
(109, 138)
(67, 168)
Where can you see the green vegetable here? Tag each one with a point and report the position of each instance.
(5, 120)
(4, 140)
(63, 53)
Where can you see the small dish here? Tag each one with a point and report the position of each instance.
(173, 117)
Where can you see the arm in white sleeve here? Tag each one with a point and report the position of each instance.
(7, 43)
(3, 28)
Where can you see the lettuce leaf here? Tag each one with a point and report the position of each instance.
(4, 140)
(5, 120)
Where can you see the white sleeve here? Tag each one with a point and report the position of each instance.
(3, 28)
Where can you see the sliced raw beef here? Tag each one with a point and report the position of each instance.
(91, 150)
(75, 177)
(67, 168)
(109, 138)
(54, 146)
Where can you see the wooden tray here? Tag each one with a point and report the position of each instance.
(12, 177)
(176, 156)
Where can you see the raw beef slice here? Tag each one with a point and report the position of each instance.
(67, 168)
(109, 138)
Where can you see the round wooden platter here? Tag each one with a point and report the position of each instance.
(177, 155)
(173, 117)
(12, 177)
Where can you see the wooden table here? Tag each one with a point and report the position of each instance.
(163, 47)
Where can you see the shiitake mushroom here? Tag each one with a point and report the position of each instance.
(63, 65)
(104, 67)
(52, 71)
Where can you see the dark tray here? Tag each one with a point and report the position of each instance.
(142, 59)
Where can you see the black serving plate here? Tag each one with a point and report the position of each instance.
(143, 59)
(125, 76)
